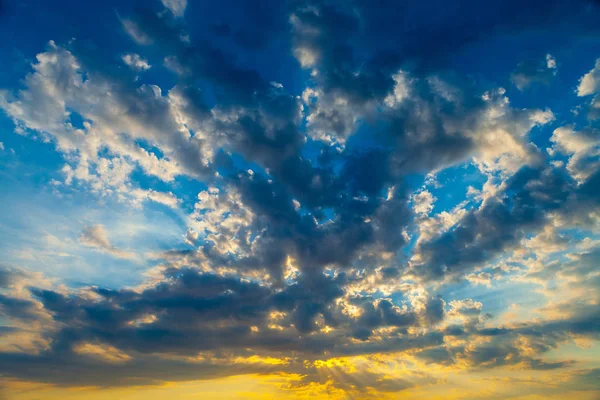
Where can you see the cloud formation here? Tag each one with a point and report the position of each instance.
(384, 216)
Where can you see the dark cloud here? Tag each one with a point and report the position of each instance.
(7, 276)
(17, 308)
(434, 310)
(502, 344)
(436, 355)
(189, 313)
(62, 369)
(427, 34)
(357, 47)
(380, 314)
(500, 223)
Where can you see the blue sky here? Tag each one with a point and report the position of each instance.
(404, 196)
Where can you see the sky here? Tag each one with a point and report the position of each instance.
(299, 199)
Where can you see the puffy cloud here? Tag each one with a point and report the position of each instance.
(222, 218)
(582, 147)
(123, 123)
(589, 84)
(423, 202)
(135, 62)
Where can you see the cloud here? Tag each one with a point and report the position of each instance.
(307, 243)
(191, 236)
(497, 225)
(177, 7)
(166, 198)
(96, 236)
(582, 148)
(423, 202)
(141, 112)
(589, 84)
(135, 33)
(118, 334)
(135, 62)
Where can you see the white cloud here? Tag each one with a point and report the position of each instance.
(437, 224)
(135, 62)
(500, 133)
(582, 146)
(590, 82)
(482, 278)
(423, 202)
(401, 89)
(134, 31)
(121, 123)
(177, 7)
(331, 118)
(166, 198)
(224, 220)
(546, 243)
(550, 61)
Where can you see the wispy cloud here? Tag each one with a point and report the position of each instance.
(96, 236)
